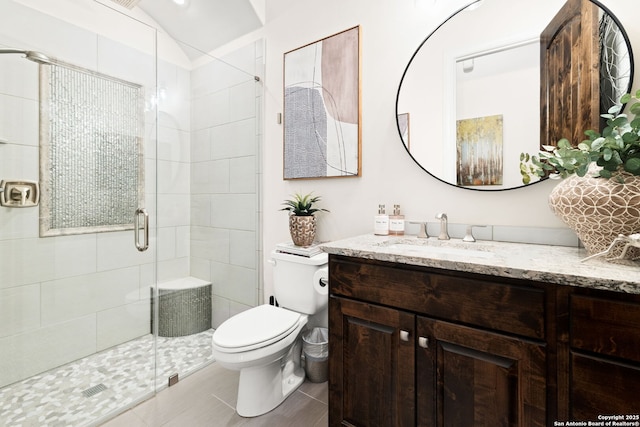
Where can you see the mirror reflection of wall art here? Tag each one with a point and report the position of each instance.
(479, 151)
(91, 151)
(322, 108)
(403, 127)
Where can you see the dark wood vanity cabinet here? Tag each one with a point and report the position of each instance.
(604, 355)
(418, 346)
(411, 346)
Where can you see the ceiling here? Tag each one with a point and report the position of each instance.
(204, 25)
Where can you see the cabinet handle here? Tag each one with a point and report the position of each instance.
(404, 335)
(423, 342)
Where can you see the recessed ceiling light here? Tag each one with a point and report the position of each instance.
(183, 3)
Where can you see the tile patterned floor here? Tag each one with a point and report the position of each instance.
(55, 398)
(208, 397)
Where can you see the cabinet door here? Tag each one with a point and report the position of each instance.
(372, 365)
(469, 377)
(599, 386)
(604, 369)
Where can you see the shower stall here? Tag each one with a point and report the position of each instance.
(123, 167)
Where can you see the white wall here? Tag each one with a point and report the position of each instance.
(390, 31)
(225, 179)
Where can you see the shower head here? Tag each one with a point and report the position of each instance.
(31, 55)
(38, 57)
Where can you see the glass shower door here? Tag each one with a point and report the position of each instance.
(77, 264)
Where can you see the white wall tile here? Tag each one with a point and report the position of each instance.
(242, 175)
(123, 323)
(242, 103)
(174, 96)
(79, 296)
(166, 243)
(26, 261)
(201, 112)
(200, 268)
(235, 283)
(27, 354)
(173, 269)
(236, 139)
(173, 144)
(173, 177)
(51, 36)
(201, 178)
(127, 63)
(18, 77)
(116, 250)
(220, 175)
(235, 211)
(210, 243)
(201, 210)
(19, 223)
(19, 309)
(74, 255)
(147, 278)
(201, 145)
(173, 210)
(183, 241)
(242, 248)
(220, 112)
(219, 310)
(19, 120)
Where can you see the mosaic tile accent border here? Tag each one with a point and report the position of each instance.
(126, 373)
(91, 150)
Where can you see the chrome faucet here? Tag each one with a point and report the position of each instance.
(444, 234)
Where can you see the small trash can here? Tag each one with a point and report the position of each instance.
(315, 348)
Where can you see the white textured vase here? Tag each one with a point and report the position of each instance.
(598, 209)
(302, 229)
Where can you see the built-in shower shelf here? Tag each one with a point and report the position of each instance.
(184, 307)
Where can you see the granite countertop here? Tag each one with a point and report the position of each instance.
(543, 263)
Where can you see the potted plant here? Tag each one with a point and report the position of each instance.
(302, 222)
(616, 150)
(599, 199)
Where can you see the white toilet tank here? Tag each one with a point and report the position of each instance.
(296, 281)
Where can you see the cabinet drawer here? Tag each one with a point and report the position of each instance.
(605, 326)
(483, 302)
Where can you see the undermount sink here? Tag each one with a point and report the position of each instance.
(438, 247)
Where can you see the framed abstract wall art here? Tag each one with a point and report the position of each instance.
(322, 114)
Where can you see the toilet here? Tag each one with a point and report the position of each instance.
(264, 344)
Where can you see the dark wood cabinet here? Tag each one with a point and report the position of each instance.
(411, 346)
(420, 346)
(377, 364)
(604, 355)
(469, 377)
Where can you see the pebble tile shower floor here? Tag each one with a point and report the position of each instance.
(91, 388)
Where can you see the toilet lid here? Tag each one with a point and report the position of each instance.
(263, 324)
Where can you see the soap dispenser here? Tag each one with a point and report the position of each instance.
(396, 222)
(381, 222)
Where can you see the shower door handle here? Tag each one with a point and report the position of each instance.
(141, 247)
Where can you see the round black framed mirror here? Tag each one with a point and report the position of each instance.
(480, 90)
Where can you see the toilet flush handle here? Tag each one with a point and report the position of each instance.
(271, 261)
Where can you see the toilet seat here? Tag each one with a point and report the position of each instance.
(254, 328)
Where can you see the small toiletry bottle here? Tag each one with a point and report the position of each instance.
(381, 222)
(396, 222)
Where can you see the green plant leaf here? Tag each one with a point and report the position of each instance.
(635, 109)
(605, 173)
(633, 165)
